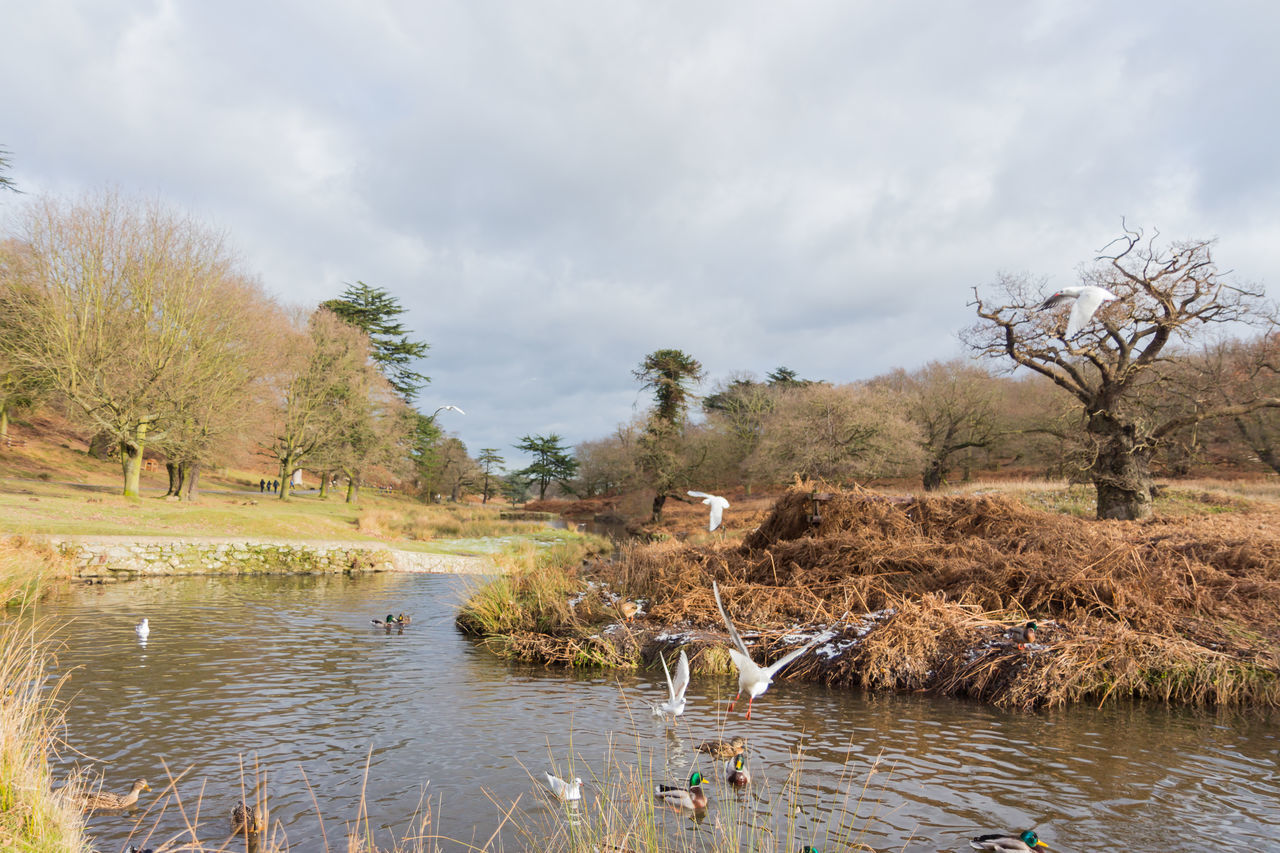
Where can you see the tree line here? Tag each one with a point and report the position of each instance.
(1178, 370)
(142, 325)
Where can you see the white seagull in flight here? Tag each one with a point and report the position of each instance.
(1088, 300)
(718, 506)
(674, 706)
(753, 678)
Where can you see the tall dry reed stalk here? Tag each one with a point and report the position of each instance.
(33, 818)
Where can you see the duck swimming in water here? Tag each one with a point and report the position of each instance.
(1025, 841)
(723, 749)
(692, 797)
(109, 801)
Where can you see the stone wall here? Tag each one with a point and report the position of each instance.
(106, 558)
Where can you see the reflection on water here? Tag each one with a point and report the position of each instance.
(290, 674)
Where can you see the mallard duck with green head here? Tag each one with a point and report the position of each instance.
(692, 797)
(738, 774)
(388, 622)
(1023, 634)
(1021, 843)
(105, 800)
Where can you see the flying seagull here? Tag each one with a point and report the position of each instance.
(753, 678)
(674, 706)
(1088, 300)
(718, 506)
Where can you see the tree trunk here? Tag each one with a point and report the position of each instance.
(659, 500)
(286, 473)
(485, 496)
(193, 478)
(325, 477)
(353, 490)
(4, 424)
(131, 462)
(175, 479)
(934, 474)
(1121, 472)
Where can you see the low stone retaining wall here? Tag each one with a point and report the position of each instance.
(108, 557)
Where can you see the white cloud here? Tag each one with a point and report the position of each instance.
(555, 189)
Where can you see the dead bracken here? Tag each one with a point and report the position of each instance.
(918, 594)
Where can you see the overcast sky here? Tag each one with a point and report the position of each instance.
(555, 189)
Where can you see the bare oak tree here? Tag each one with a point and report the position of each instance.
(1166, 293)
(107, 307)
(954, 404)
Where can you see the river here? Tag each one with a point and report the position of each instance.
(284, 680)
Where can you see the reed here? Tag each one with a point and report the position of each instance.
(33, 818)
(26, 567)
(619, 813)
(541, 608)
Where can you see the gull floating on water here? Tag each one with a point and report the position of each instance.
(1088, 298)
(143, 629)
(674, 706)
(753, 678)
(718, 506)
(565, 790)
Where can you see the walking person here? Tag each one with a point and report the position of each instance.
(275, 486)
(262, 486)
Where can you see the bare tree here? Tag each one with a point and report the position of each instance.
(107, 308)
(841, 433)
(954, 404)
(219, 399)
(1164, 293)
(322, 374)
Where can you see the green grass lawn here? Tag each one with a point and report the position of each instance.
(33, 506)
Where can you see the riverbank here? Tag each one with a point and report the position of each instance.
(918, 594)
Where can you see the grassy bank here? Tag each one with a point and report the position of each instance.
(918, 595)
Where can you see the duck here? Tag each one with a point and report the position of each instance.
(563, 790)
(1023, 634)
(674, 706)
(107, 800)
(627, 608)
(692, 797)
(404, 619)
(754, 679)
(1020, 843)
(723, 749)
(143, 629)
(738, 774)
(244, 819)
(388, 622)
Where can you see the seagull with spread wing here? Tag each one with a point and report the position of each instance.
(753, 678)
(1088, 299)
(718, 506)
(674, 706)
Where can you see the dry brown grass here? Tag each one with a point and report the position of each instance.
(1181, 609)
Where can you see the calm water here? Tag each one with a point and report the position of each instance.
(288, 676)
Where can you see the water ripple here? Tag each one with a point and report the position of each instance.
(287, 677)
